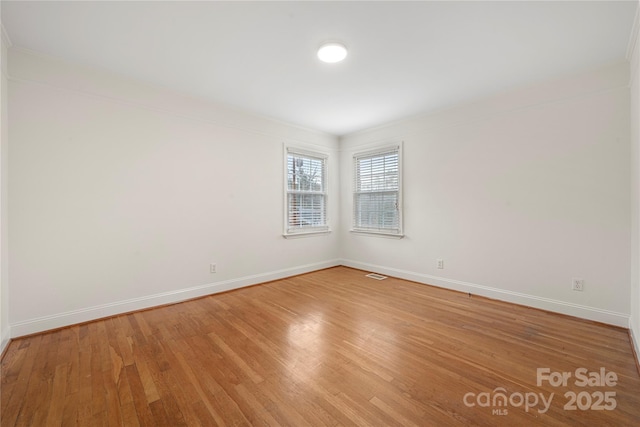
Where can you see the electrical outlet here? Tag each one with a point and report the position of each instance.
(212, 268)
(440, 263)
(577, 284)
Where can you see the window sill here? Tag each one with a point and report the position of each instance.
(309, 233)
(378, 234)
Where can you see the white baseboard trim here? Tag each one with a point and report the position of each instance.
(556, 306)
(60, 320)
(635, 335)
(5, 337)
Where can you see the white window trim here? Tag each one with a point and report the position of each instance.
(310, 231)
(373, 232)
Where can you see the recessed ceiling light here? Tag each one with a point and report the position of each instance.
(332, 52)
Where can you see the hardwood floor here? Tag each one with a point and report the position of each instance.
(327, 348)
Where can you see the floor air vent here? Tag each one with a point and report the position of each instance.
(376, 276)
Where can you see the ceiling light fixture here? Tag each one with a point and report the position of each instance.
(332, 52)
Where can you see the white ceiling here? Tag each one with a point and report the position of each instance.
(405, 58)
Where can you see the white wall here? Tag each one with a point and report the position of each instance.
(517, 194)
(121, 195)
(4, 253)
(634, 85)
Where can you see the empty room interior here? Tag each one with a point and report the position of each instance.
(320, 213)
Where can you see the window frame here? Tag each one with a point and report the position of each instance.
(298, 231)
(376, 231)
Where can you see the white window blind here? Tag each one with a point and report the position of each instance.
(306, 198)
(377, 195)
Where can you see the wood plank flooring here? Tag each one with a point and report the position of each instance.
(329, 348)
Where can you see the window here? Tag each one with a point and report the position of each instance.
(377, 192)
(306, 194)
